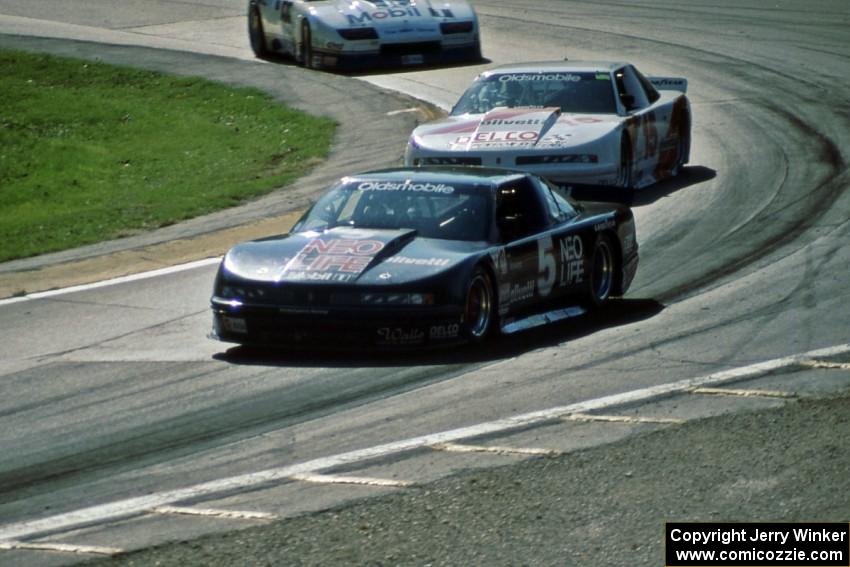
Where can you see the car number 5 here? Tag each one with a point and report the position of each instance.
(546, 267)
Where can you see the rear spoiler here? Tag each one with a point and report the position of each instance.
(669, 83)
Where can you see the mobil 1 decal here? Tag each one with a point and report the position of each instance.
(560, 262)
(391, 10)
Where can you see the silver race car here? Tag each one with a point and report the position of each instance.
(587, 123)
(350, 34)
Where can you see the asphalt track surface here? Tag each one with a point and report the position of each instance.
(114, 393)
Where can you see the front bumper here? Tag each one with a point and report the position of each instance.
(396, 55)
(564, 173)
(321, 328)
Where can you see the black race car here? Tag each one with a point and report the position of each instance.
(413, 256)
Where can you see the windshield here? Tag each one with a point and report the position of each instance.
(571, 92)
(434, 210)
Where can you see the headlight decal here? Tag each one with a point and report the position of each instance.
(355, 34)
(448, 28)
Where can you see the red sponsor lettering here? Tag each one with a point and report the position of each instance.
(339, 263)
(342, 246)
(490, 137)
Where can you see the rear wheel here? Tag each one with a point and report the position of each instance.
(476, 54)
(479, 307)
(256, 34)
(306, 46)
(683, 144)
(603, 271)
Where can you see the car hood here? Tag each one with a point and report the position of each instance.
(346, 256)
(520, 128)
(424, 16)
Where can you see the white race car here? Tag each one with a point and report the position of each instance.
(346, 34)
(572, 122)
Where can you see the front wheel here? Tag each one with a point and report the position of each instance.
(256, 33)
(306, 46)
(603, 271)
(625, 172)
(479, 307)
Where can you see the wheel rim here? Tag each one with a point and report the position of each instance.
(603, 271)
(478, 307)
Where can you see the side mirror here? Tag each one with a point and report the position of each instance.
(628, 101)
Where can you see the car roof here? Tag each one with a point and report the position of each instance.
(558, 66)
(461, 175)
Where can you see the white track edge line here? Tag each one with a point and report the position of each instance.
(495, 449)
(624, 419)
(213, 513)
(139, 505)
(741, 393)
(356, 480)
(113, 281)
(59, 547)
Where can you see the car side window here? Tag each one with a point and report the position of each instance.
(519, 210)
(568, 210)
(286, 11)
(324, 212)
(630, 90)
(556, 212)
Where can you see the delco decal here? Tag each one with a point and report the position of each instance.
(510, 138)
(555, 141)
(572, 266)
(406, 186)
(338, 259)
(438, 332)
(392, 10)
(521, 77)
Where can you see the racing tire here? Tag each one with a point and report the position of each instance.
(625, 172)
(479, 319)
(256, 34)
(682, 146)
(306, 46)
(602, 279)
(477, 56)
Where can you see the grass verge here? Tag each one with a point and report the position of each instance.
(91, 152)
